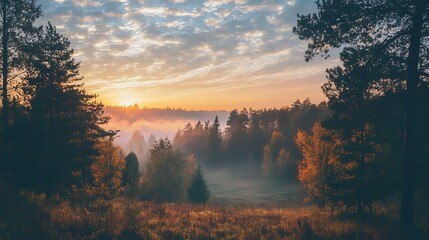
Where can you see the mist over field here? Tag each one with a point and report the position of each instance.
(157, 122)
(228, 186)
(237, 186)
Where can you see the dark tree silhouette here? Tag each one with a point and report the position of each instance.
(197, 191)
(131, 174)
(236, 135)
(214, 143)
(16, 19)
(63, 122)
(137, 145)
(164, 175)
(388, 30)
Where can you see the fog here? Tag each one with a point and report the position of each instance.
(157, 122)
(228, 187)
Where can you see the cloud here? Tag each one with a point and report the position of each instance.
(174, 47)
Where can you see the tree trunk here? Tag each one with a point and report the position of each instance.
(5, 67)
(408, 191)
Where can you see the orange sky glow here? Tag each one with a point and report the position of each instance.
(212, 55)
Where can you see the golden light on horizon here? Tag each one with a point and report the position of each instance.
(127, 101)
(183, 61)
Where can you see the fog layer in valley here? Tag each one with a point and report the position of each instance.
(156, 122)
(228, 187)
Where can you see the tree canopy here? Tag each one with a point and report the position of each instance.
(389, 38)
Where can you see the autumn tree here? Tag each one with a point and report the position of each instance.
(267, 162)
(197, 190)
(131, 174)
(164, 175)
(390, 31)
(107, 169)
(277, 142)
(319, 170)
(285, 167)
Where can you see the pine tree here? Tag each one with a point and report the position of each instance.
(16, 26)
(131, 174)
(63, 124)
(197, 190)
(214, 143)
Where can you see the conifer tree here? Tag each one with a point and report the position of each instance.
(131, 174)
(16, 26)
(197, 190)
(214, 142)
(63, 123)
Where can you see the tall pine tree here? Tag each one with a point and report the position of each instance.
(16, 26)
(63, 123)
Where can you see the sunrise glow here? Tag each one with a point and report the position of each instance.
(192, 54)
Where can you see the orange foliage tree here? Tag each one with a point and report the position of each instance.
(267, 162)
(319, 168)
(107, 169)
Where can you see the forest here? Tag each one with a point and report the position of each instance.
(359, 159)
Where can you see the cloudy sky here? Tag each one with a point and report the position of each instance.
(194, 54)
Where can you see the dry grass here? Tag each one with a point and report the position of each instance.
(123, 219)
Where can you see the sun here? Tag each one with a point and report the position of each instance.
(127, 101)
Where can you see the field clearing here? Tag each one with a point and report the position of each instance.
(227, 188)
(125, 219)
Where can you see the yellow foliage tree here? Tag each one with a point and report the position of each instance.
(107, 169)
(267, 162)
(284, 165)
(319, 167)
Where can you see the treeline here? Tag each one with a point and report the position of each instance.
(135, 113)
(253, 138)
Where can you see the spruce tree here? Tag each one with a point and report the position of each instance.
(197, 191)
(131, 174)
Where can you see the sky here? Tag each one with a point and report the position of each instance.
(193, 54)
